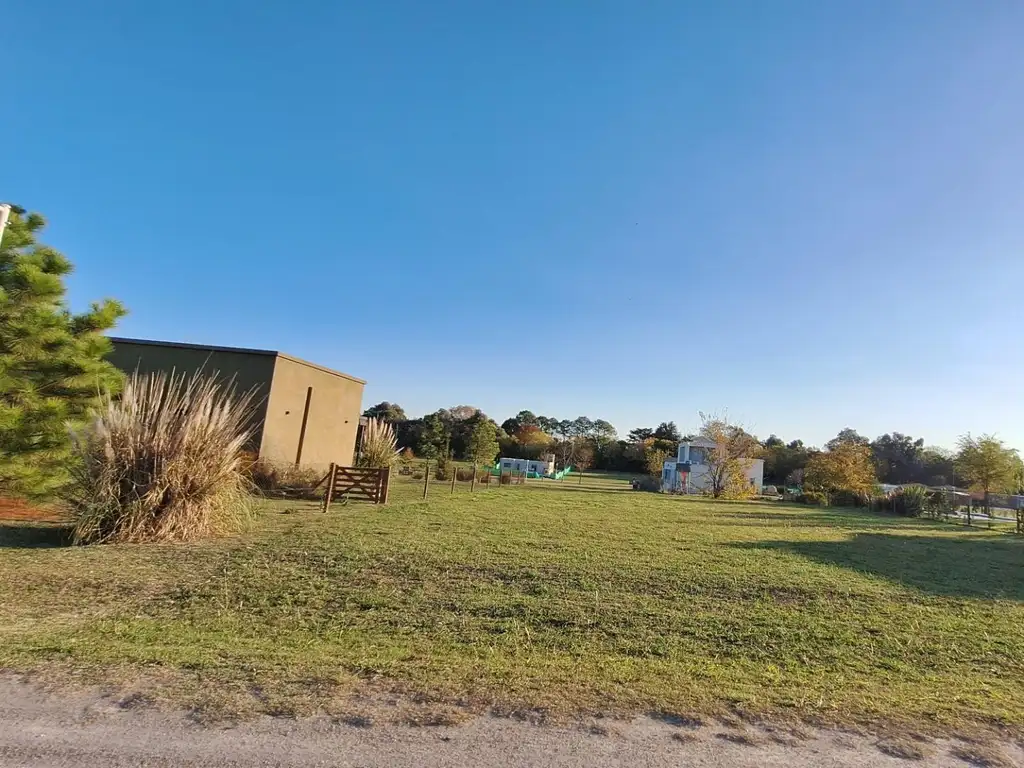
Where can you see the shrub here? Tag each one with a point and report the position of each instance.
(380, 446)
(418, 475)
(283, 479)
(813, 498)
(464, 474)
(845, 498)
(910, 501)
(163, 462)
(940, 504)
(441, 472)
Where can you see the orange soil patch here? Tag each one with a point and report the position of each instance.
(17, 509)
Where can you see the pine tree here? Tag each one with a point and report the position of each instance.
(52, 366)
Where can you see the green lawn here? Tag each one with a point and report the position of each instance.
(554, 596)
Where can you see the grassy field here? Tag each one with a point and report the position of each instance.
(553, 597)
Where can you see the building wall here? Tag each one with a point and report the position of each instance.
(335, 402)
(248, 370)
(541, 467)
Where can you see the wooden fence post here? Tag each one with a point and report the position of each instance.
(426, 477)
(329, 493)
(455, 473)
(472, 482)
(385, 485)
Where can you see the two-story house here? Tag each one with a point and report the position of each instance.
(689, 471)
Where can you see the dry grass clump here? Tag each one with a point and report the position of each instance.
(380, 445)
(162, 462)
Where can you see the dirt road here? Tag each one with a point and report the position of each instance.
(85, 729)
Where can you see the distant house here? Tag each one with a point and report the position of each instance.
(304, 414)
(545, 465)
(689, 472)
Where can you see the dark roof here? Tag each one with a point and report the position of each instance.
(237, 350)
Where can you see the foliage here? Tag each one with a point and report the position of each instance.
(583, 458)
(937, 467)
(847, 435)
(380, 446)
(483, 443)
(940, 504)
(447, 432)
(847, 498)
(847, 466)
(602, 431)
(519, 421)
(529, 442)
(813, 498)
(909, 501)
(281, 479)
(52, 367)
(163, 462)
(444, 466)
(435, 437)
(385, 411)
(654, 461)
(987, 464)
(640, 434)
(729, 458)
(532, 435)
(782, 459)
(898, 457)
(609, 454)
(668, 431)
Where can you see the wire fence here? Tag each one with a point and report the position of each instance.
(993, 510)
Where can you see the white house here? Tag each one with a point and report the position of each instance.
(689, 472)
(545, 465)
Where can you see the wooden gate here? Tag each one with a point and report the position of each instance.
(364, 482)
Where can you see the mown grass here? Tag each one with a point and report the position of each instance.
(551, 597)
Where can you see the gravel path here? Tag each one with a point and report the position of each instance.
(85, 729)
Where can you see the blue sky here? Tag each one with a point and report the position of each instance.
(810, 214)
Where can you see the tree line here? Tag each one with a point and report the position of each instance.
(467, 433)
(849, 460)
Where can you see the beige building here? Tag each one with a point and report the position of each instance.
(305, 414)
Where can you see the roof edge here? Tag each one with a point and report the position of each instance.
(186, 345)
(238, 350)
(324, 369)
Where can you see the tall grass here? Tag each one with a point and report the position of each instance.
(380, 444)
(281, 479)
(163, 461)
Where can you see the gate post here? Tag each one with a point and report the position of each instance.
(329, 493)
(385, 484)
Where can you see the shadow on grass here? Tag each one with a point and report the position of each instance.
(577, 488)
(846, 518)
(27, 535)
(948, 566)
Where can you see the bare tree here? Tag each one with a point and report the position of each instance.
(730, 457)
(584, 458)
